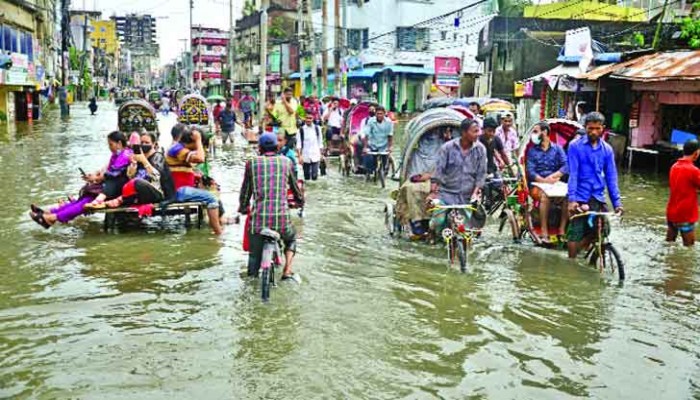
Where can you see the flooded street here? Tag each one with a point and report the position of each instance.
(164, 314)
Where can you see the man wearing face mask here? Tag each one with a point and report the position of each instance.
(150, 176)
(546, 163)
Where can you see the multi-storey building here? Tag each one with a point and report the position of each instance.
(106, 50)
(210, 49)
(28, 38)
(389, 47)
(137, 35)
(282, 50)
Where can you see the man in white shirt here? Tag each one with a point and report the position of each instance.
(309, 145)
(334, 118)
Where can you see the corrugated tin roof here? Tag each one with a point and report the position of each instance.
(602, 70)
(677, 65)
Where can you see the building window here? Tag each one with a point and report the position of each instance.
(358, 39)
(412, 39)
(443, 35)
(316, 5)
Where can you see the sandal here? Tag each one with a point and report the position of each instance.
(35, 209)
(39, 219)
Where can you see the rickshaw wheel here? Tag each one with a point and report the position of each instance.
(509, 216)
(390, 218)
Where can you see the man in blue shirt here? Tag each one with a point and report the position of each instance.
(591, 170)
(546, 163)
(227, 120)
(379, 135)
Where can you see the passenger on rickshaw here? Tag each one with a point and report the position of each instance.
(508, 134)
(591, 170)
(475, 108)
(379, 137)
(357, 141)
(410, 201)
(334, 118)
(187, 149)
(496, 156)
(150, 176)
(460, 172)
(546, 164)
(313, 107)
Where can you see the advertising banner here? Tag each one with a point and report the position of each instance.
(19, 73)
(447, 71)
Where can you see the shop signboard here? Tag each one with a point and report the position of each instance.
(447, 71)
(19, 73)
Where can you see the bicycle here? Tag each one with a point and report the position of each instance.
(271, 258)
(499, 190)
(383, 163)
(457, 236)
(601, 252)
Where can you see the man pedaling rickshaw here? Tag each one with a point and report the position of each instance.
(546, 165)
(379, 135)
(460, 172)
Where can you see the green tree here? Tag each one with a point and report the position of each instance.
(248, 8)
(512, 8)
(690, 27)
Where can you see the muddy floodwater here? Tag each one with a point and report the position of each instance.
(163, 312)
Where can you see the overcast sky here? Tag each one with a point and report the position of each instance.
(172, 17)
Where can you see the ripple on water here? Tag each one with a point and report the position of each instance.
(155, 312)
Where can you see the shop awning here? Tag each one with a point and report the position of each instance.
(307, 75)
(404, 69)
(365, 73)
(559, 70)
(673, 65)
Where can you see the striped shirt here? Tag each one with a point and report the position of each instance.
(266, 180)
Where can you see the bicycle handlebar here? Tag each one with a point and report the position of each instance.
(596, 214)
(455, 207)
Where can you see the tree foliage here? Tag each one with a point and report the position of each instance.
(512, 8)
(248, 7)
(690, 27)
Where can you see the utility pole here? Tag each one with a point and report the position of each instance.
(191, 58)
(199, 59)
(324, 44)
(344, 80)
(263, 62)
(336, 50)
(232, 29)
(65, 31)
(311, 42)
(302, 47)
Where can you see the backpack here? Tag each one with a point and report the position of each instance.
(318, 135)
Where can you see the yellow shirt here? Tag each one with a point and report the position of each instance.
(288, 121)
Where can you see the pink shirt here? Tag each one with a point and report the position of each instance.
(510, 140)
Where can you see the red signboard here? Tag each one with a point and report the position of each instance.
(447, 71)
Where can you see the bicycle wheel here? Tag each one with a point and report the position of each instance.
(462, 254)
(611, 261)
(267, 276)
(380, 175)
(389, 218)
